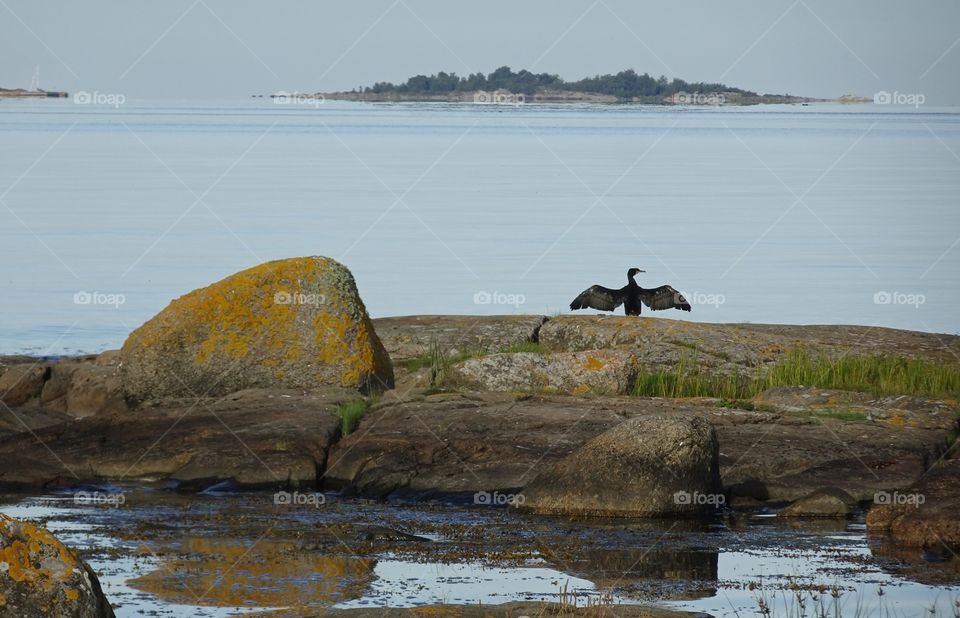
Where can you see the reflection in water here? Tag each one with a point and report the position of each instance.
(244, 573)
(401, 584)
(316, 558)
(933, 566)
(651, 573)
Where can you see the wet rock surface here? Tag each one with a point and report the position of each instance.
(926, 515)
(41, 576)
(826, 502)
(251, 438)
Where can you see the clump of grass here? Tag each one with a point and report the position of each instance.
(882, 375)
(436, 356)
(877, 374)
(842, 414)
(526, 346)
(692, 379)
(350, 413)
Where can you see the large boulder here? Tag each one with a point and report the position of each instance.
(294, 323)
(643, 467)
(39, 575)
(924, 516)
(603, 372)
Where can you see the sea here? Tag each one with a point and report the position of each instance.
(791, 214)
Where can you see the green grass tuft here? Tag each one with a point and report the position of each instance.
(526, 346)
(350, 413)
(877, 374)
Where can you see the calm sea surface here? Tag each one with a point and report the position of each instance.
(818, 214)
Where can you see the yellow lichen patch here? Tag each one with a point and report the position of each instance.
(19, 553)
(897, 419)
(341, 341)
(72, 595)
(593, 363)
(581, 389)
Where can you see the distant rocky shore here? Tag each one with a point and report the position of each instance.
(21, 93)
(505, 97)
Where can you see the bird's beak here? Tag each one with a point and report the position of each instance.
(643, 271)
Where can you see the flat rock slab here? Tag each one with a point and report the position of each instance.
(897, 410)
(455, 443)
(253, 438)
(601, 372)
(489, 442)
(411, 336)
(660, 342)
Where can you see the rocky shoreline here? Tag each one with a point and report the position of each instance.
(246, 385)
(418, 440)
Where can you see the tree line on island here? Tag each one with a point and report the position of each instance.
(624, 85)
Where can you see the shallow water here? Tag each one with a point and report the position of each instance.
(432, 206)
(170, 554)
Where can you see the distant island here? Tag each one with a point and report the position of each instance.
(19, 93)
(505, 86)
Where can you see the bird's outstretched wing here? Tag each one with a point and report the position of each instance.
(598, 297)
(664, 297)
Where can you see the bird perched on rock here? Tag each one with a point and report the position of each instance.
(631, 296)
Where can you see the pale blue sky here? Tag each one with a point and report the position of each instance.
(232, 48)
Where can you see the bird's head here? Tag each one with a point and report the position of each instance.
(633, 272)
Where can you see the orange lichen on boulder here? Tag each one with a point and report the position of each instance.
(39, 572)
(294, 323)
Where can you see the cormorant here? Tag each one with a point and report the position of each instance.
(630, 296)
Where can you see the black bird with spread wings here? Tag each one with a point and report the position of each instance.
(631, 296)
